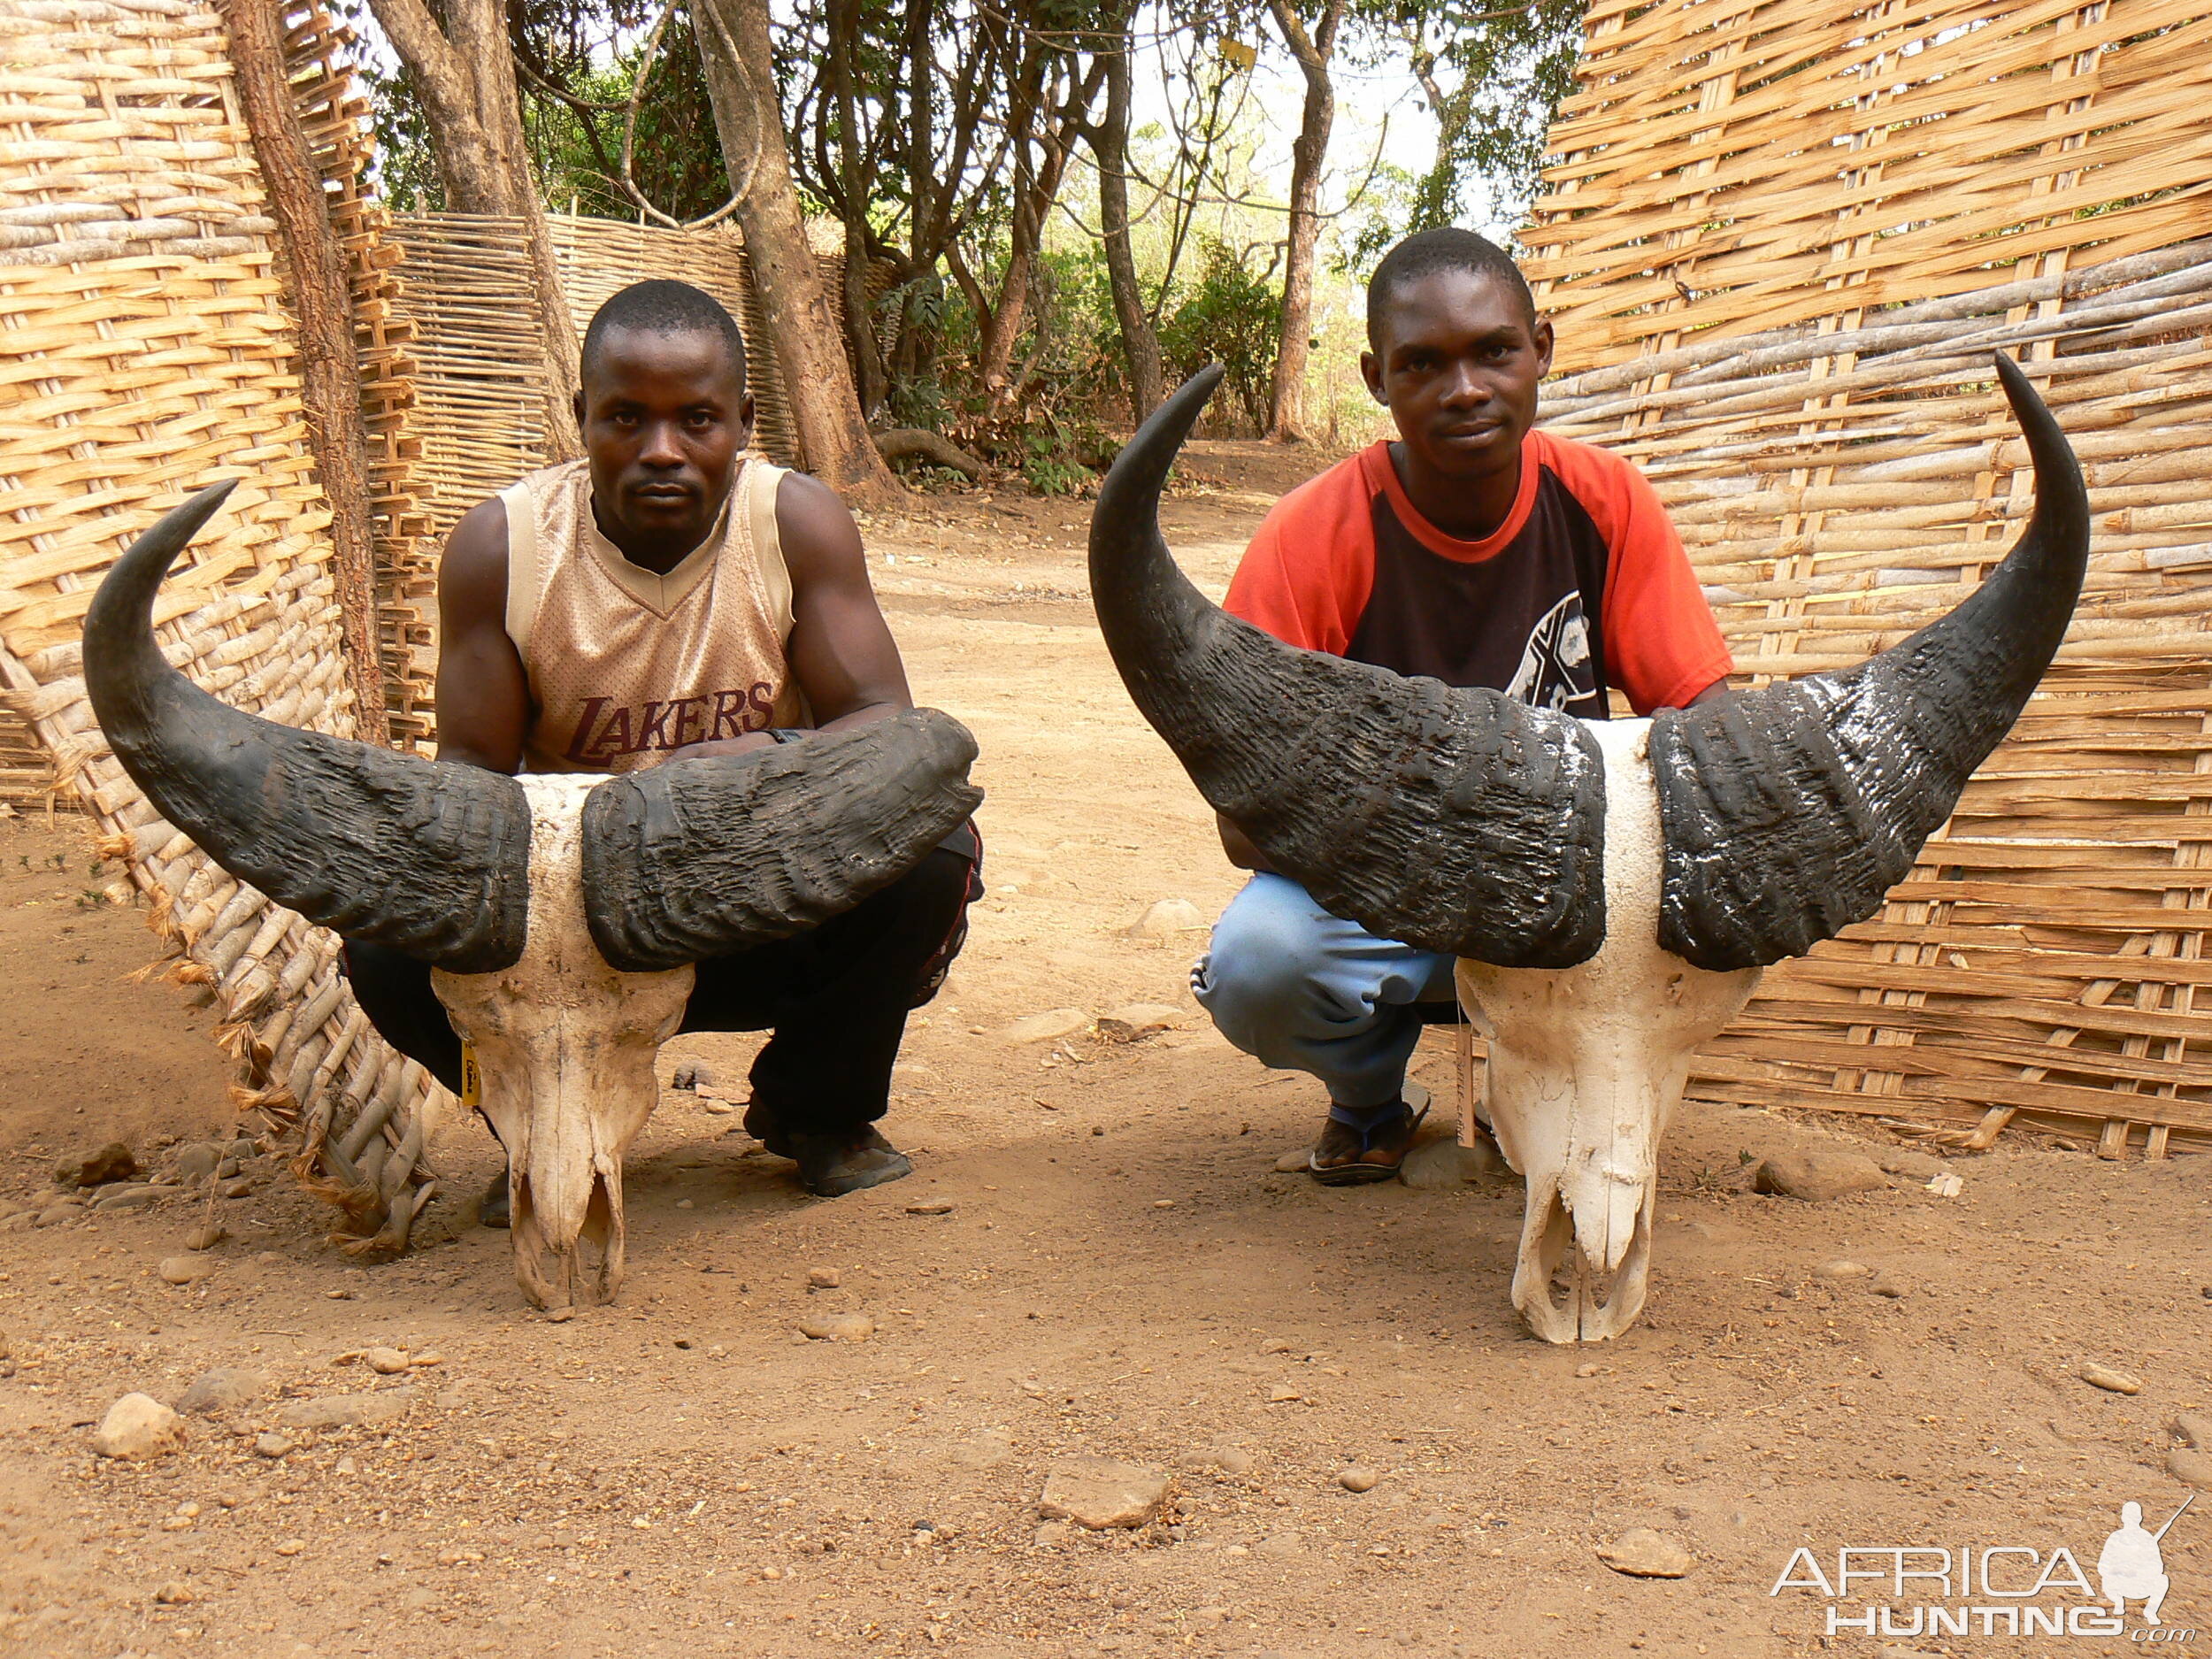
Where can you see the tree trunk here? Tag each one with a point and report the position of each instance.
(733, 47)
(465, 73)
(860, 334)
(330, 367)
(1287, 416)
(1110, 143)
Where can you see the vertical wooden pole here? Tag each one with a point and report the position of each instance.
(330, 370)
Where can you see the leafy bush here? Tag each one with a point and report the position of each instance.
(1230, 316)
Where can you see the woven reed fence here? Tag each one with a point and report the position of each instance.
(477, 340)
(145, 352)
(1780, 247)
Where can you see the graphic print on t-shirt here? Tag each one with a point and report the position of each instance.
(1517, 623)
(1554, 671)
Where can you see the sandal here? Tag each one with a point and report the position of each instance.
(1369, 1125)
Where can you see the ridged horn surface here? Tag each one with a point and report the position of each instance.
(1790, 811)
(428, 857)
(700, 858)
(1459, 821)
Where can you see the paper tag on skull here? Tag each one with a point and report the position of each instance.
(472, 1078)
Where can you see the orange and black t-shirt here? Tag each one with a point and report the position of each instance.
(1585, 586)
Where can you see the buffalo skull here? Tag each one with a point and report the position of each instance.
(1611, 889)
(561, 915)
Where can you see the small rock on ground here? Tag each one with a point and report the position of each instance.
(1358, 1478)
(341, 1411)
(113, 1162)
(1165, 918)
(1843, 1270)
(1640, 1552)
(385, 1362)
(1294, 1160)
(823, 1279)
(273, 1444)
(128, 1196)
(1133, 1020)
(838, 1327)
(2191, 1468)
(1904, 1161)
(1052, 1024)
(138, 1427)
(1228, 1460)
(1100, 1494)
(204, 1238)
(185, 1270)
(2113, 1382)
(1818, 1174)
(224, 1388)
(689, 1075)
(198, 1162)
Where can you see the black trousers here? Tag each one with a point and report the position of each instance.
(837, 998)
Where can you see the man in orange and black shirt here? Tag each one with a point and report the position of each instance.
(1475, 551)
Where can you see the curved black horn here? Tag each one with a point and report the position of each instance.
(1458, 821)
(428, 857)
(699, 858)
(1789, 812)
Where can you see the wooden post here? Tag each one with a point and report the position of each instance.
(330, 370)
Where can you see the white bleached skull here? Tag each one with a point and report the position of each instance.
(1612, 889)
(561, 915)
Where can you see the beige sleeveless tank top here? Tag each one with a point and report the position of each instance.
(627, 665)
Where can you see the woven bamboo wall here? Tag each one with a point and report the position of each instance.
(335, 117)
(146, 354)
(1782, 243)
(478, 338)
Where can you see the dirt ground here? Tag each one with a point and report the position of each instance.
(1115, 1271)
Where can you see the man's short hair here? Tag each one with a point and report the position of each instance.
(663, 307)
(1426, 252)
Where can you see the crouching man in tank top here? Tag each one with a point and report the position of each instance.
(673, 596)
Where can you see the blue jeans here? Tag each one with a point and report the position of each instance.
(1301, 990)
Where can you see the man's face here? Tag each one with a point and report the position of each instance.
(1458, 364)
(665, 417)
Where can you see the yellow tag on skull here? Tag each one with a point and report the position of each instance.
(472, 1078)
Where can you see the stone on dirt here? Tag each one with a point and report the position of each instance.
(127, 1195)
(1133, 1020)
(1442, 1165)
(137, 1428)
(1358, 1478)
(1843, 1270)
(1055, 1535)
(198, 1162)
(185, 1270)
(1164, 918)
(113, 1162)
(239, 1188)
(2190, 1428)
(1816, 1174)
(1917, 1165)
(385, 1362)
(1100, 1494)
(1049, 1026)
(2113, 1382)
(204, 1238)
(1640, 1552)
(176, 1593)
(823, 1279)
(690, 1074)
(224, 1388)
(2191, 1468)
(54, 1214)
(837, 1327)
(273, 1444)
(1294, 1160)
(344, 1411)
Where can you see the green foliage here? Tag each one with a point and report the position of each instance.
(1231, 315)
(676, 158)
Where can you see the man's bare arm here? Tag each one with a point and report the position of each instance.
(841, 652)
(483, 695)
